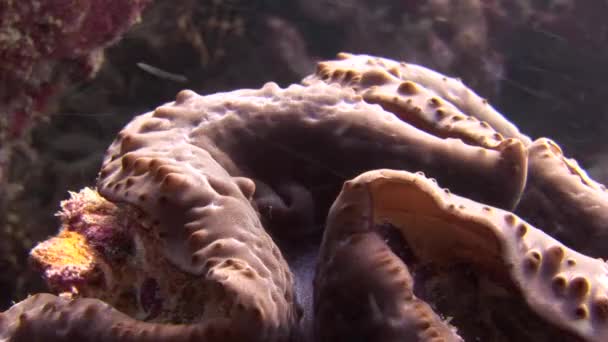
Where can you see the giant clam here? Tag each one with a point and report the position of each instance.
(207, 220)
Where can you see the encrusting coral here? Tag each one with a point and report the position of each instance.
(189, 233)
(46, 49)
(46, 46)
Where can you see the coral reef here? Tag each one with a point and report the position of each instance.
(192, 229)
(46, 47)
(531, 59)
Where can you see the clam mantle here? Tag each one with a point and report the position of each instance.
(211, 212)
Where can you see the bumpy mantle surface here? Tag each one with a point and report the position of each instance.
(178, 246)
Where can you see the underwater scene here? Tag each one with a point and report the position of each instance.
(303, 170)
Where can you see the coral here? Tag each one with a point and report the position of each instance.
(46, 45)
(44, 48)
(178, 241)
(90, 253)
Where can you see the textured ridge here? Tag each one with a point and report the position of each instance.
(564, 287)
(562, 199)
(379, 304)
(437, 101)
(183, 165)
(28, 320)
